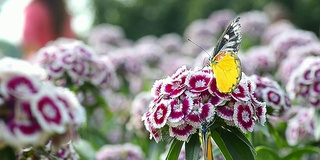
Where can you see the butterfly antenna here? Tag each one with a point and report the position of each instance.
(205, 64)
(199, 46)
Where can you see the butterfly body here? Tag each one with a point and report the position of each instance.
(224, 61)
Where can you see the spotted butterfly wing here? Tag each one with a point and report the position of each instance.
(230, 38)
(224, 61)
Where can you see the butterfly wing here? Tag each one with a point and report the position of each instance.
(225, 62)
(230, 38)
(227, 70)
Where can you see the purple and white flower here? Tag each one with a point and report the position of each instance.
(183, 101)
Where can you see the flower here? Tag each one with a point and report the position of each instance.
(105, 38)
(275, 29)
(289, 39)
(304, 82)
(78, 62)
(171, 42)
(253, 23)
(260, 60)
(120, 151)
(200, 32)
(33, 110)
(269, 91)
(220, 19)
(183, 101)
(139, 105)
(65, 152)
(300, 128)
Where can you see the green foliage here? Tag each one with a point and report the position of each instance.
(144, 17)
(7, 153)
(192, 148)
(174, 150)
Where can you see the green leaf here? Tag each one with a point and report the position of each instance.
(264, 129)
(299, 152)
(220, 143)
(174, 150)
(264, 153)
(317, 127)
(84, 149)
(276, 135)
(193, 148)
(242, 137)
(236, 144)
(7, 153)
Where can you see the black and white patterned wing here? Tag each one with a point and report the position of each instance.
(230, 38)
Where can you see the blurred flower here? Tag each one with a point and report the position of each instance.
(289, 39)
(201, 60)
(119, 152)
(171, 42)
(170, 63)
(253, 24)
(198, 31)
(189, 97)
(33, 110)
(258, 60)
(304, 82)
(286, 68)
(309, 49)
(66, 152)
(300, 128)
(269, 91)
(107, 37)
(295, 57)
(275, 29)
(220, 19)
(139, 106)
(149, 53)
(76, 61)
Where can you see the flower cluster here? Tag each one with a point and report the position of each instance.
(275, 29)
(304, 82)
(289, 39)
(105, 38)
(66, 152)
(253, 23)
(139, 105)
(300, 128)
(183, 101)
(269, 91)
(259, 60)
(220, 19)
(124, 151)
(32, 110)
(73, 60)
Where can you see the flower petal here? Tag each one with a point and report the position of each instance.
(182, 132)
(243, 117)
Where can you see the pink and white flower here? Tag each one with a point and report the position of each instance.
(304, 82)
(269, 91)
(78, 62)
(183, 102)
(33, 109)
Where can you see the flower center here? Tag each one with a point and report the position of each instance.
(200, 83)
(245, 116)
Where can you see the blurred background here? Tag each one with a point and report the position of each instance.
(144, 17)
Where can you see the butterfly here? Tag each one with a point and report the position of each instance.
(224, 60)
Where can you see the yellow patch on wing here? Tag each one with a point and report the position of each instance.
(227, 70)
